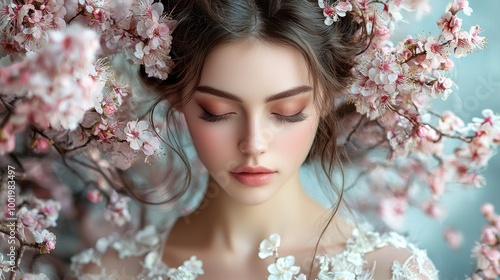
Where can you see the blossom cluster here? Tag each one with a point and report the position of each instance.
(144, 244)
(57, 79)
(29, 227)
(487, 252)
(431, 167)
(36, 216)
(401, 78)
(60, 93)
(284, 269)
(139, 27)
(60, 79)
(333, 12)
(393, 87)
(189, 270)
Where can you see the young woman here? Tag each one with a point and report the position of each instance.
(259, 84)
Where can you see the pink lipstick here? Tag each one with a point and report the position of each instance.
(253, 176)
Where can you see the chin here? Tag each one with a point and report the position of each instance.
(250, 199)
(251, 195)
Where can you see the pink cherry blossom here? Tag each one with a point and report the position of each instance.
(117, 209)
(38, 214)
(449, 123)
(395, 8)
(103, 131)
(442, 86)
(60, 98)
(28, 217)
(472, 179)
(435, 51)
(488, 210)
(487, 252)
(437, 180)
(488, 261)
(141, 138)
(384, 70)
(486, 128)
(450, 25)
(433, 209)
(464, 44)
(427, 141)
(34, 110)
(41, 144)
(475, 39)
(460, 5)
(490, 236)
(333, 12)
(94, 196)
(30, 23)
(447, 65)
(454, 238)
(343, 7)
(49, 208)
(421, 7)
(46, 241)
(156, 31)
(392, 210)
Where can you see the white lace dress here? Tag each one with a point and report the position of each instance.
(144, 248)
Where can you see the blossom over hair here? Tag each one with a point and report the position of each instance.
(333, 12)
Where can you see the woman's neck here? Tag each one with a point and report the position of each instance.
(223, 223)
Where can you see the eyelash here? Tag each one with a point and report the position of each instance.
(206, 116)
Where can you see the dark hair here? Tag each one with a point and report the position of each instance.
(329, 51)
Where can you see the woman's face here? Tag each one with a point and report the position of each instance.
(252, 118)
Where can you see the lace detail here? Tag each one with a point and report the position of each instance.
(141, 250)
(417, 266)
(144, 250)
(364, 241)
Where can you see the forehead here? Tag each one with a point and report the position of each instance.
(252, 67)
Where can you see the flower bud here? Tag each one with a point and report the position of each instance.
(94, 196)
(488, 210)
(41, 144)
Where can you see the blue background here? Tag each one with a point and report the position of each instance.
(478, 78)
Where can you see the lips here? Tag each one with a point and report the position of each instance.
(253, 175)
(252, 169)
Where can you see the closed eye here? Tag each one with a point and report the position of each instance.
(209, 117)
(300, 116)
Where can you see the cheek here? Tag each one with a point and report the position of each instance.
(295, 143)
(212, 142)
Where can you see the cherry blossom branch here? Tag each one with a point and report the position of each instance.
(19, 257)
(487, 252)
(20, 250)
(80, 13)
(351, 133)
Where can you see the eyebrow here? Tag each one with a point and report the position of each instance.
(284, 94)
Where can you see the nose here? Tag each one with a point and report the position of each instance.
(255, 140)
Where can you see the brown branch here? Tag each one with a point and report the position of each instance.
(20, 254)
(351, 133)
(20, 251)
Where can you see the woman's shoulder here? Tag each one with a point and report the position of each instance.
(369, 254)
